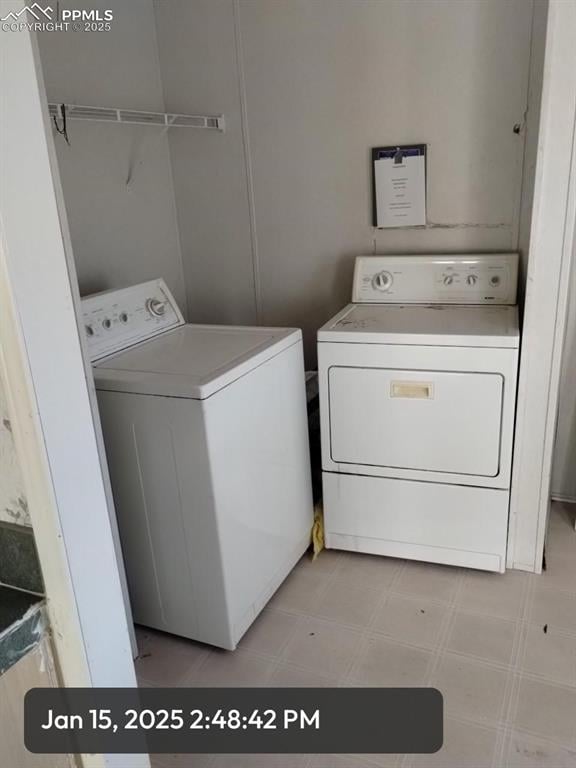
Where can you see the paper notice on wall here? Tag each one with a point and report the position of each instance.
(400, 186)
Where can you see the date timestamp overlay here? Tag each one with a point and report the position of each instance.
(238, 720)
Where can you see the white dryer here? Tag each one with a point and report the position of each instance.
(206, 438)
(417, 398)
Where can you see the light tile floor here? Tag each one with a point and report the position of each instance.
(501, 648)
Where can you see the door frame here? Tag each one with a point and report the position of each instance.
(552, 245)
(50, 393)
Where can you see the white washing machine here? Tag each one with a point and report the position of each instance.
(207, 445)
(417, 398)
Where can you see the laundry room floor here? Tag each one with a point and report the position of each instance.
(502, 649)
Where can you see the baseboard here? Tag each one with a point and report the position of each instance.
(563, 499)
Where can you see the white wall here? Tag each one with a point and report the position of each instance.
(564, 472)
(272, 213)
(268, 216)
(564, 465)
(531, 127)
(199, 67)
(121, 233)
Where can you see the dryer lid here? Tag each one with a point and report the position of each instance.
(193, 361)
(434, 325)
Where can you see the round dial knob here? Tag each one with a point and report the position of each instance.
(472, 279)
(448, 279)
(156, 307)
(382, 281)
(89, 330)
(495, 280)
(107, 323)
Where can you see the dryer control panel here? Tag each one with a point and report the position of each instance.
(436, 279)
(118, 319)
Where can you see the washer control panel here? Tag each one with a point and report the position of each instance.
(438, 279)
(118, 319)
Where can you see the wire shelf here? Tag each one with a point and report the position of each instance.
(136, 117)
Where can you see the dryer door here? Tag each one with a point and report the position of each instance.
(423, 420)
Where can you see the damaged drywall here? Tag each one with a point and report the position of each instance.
(13, 502)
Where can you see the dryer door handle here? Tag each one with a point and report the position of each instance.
(415, 390)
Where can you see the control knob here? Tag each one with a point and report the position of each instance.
(472, 279)
(382, 281)
(448, 279)
(156, 307)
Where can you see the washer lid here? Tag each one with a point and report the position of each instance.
(434, 325)
(192, 361)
